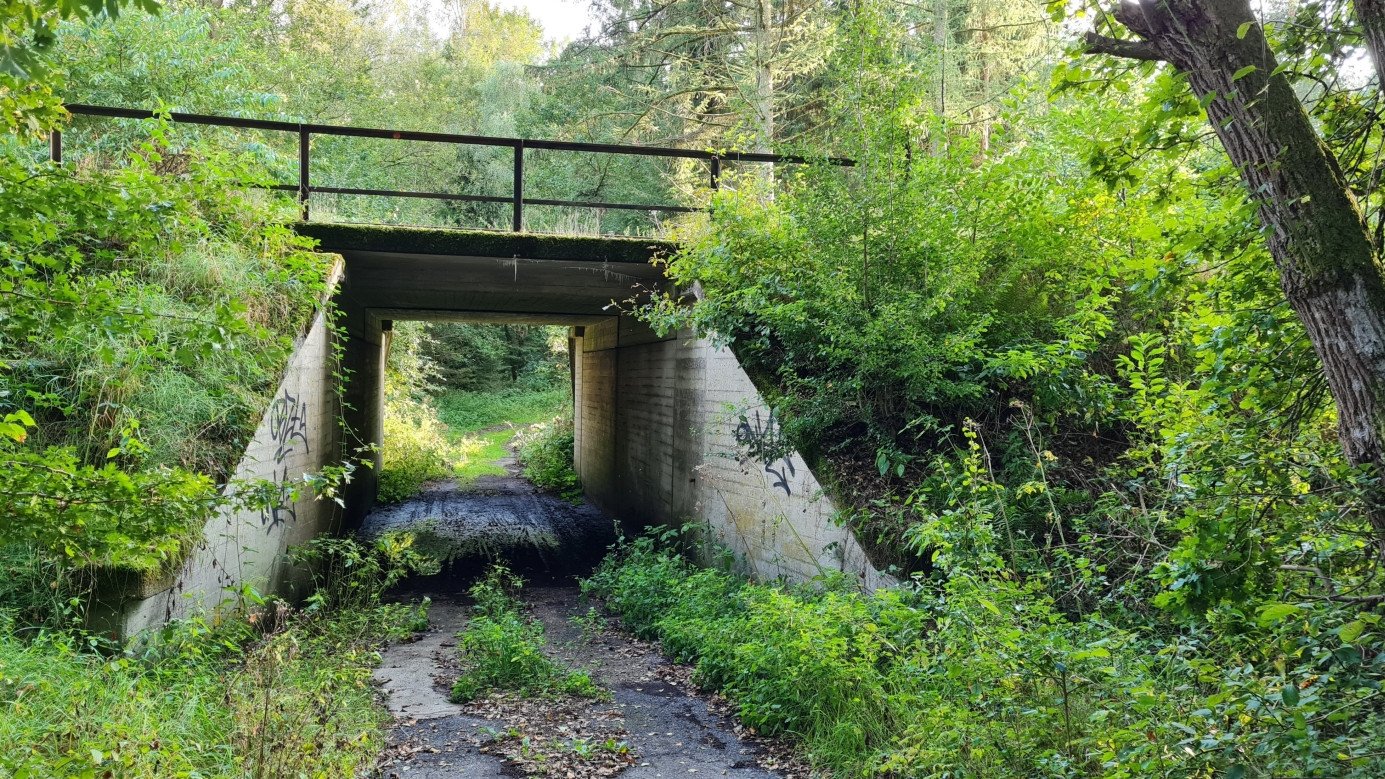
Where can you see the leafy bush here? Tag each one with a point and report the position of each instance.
(546, 450)
(416, 449)
(974, 678)
(502, 650)
(350, 573)
(140, 342)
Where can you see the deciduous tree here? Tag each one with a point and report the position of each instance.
(1315, 230)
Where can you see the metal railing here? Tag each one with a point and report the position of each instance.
(304, 187)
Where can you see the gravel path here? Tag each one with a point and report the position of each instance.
(664, 725)
(671, 729)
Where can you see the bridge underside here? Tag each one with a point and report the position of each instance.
(397, 274)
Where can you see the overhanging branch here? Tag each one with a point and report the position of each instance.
(1134, 50)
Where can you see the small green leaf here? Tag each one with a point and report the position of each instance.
(1276, 611)
(1350, 631)
(1289, 694)
(991, 607)
(1240, 36)
(1243, 72)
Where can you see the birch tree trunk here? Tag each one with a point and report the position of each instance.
(1316, 232)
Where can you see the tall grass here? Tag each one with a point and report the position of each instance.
(274, 692)
(468, 412)
(985, 679)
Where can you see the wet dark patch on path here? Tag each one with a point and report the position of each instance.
(503, 519)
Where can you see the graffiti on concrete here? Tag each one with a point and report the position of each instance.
(765, 443)
(288, 428)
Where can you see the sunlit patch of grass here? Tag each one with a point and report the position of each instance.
(481, 453)
(468, 412)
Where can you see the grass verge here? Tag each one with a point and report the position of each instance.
(468, 412)
(276, 692)
(481, 452)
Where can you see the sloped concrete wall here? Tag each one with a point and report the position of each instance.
(298, 434)
(662, 425)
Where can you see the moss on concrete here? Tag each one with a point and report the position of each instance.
(476, 243)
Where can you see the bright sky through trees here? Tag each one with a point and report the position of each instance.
(562, 20)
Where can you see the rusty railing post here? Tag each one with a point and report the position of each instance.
(303, 184)
(519, 187)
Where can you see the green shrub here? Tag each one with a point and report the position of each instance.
(416, 449)
(348, 573)
(502, 650)
(546, 451)
(985, 677)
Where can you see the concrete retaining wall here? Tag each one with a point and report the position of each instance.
(662, 427)
(298, 434)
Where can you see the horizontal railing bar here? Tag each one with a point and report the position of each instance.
(475, 140)
(485, 198)
(625, 206)
(226, 121)
(396, 193)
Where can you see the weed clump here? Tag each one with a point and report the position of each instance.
(545, 450)
(502, 650)
(268, 691)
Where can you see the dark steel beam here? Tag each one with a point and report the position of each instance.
(475, 140)
(518, 192)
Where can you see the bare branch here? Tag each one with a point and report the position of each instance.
(1115, 47)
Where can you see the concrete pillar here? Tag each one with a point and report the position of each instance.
(363, 407)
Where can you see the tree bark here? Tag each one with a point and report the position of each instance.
(940, 39)
(1371, 15)
(1316, 232)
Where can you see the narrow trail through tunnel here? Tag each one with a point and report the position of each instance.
(669, 727)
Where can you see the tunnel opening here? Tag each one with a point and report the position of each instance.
(477, 452)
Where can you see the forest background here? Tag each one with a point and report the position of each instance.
(1035, 340)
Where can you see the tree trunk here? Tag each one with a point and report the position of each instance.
(764, 88)
(1317, 235)
(940, 38)
(1371, 15)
